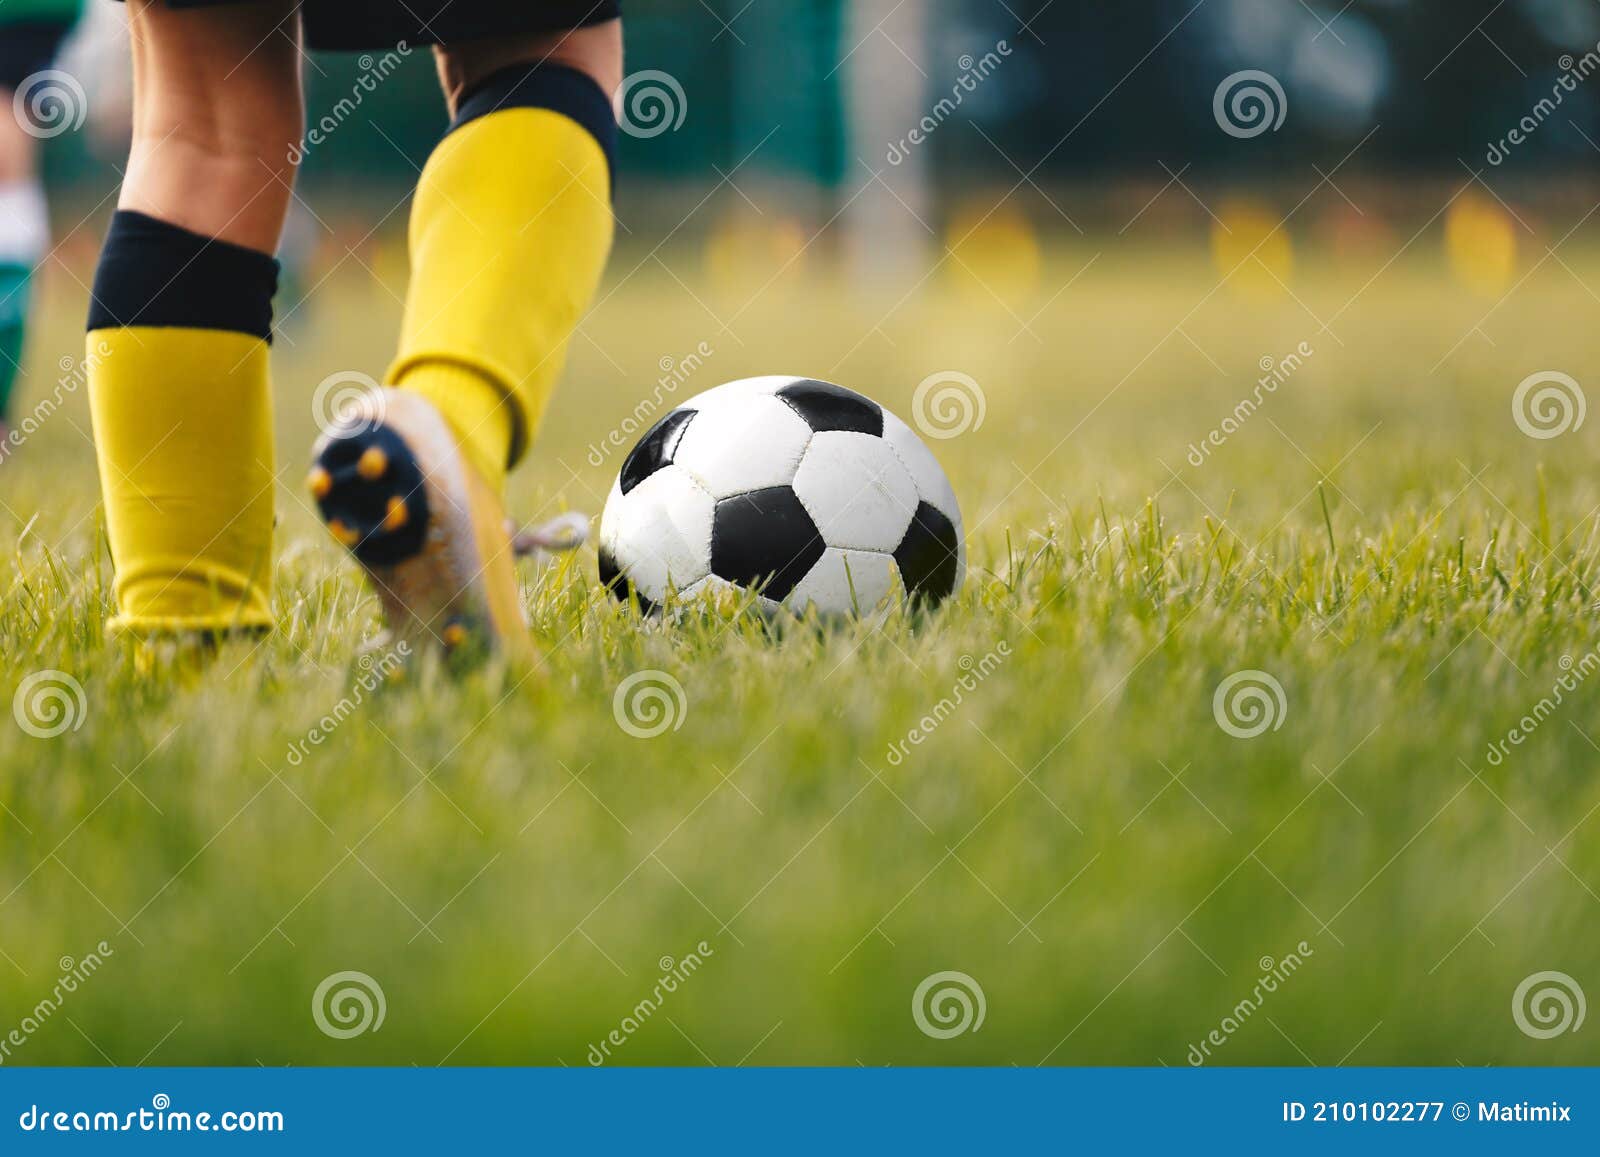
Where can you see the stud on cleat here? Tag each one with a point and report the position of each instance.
(345, 535)
(454, 635)
(372, 463)
(319, 482)
(397, 515)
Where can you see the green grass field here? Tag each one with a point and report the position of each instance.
(1078, 835)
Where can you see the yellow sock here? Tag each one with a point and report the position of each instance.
(509, 235)
(187, 480)
(183, 427)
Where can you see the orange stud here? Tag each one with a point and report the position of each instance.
(397, 515)
(319, 482)
(372, 463)
(342, 532)
(454, 635)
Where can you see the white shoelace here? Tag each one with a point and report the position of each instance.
(565, 532)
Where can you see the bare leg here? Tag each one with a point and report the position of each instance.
(217, 109)
(596, 50)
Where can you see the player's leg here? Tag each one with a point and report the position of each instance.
(27, 46)
(509, 234)
(504, 266)
(180, 319)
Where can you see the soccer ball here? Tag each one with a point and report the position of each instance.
(800, 489)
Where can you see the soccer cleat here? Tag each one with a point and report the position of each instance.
(393, 486)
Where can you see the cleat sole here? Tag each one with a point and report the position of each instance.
(360, 506)
(429, 532)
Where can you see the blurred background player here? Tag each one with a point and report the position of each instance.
(510, 229)
(31, 33)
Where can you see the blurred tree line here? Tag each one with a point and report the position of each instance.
(1087, 88)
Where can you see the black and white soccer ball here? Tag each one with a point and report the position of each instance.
(805, 491)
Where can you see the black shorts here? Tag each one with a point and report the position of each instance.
(27, 47)
(357, 24)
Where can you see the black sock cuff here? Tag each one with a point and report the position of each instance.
(155, 273)
(572, 93)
